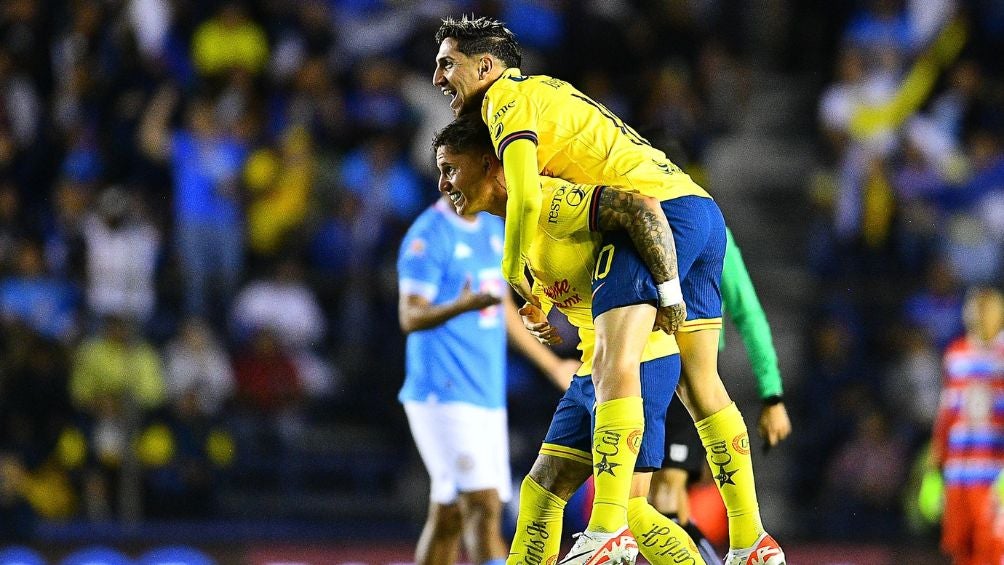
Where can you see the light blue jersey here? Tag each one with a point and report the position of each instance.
(462, 360)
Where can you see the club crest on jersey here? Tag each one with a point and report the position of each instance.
(575, 196)
(497, 133)
(417, 247)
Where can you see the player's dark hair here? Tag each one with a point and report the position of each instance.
(482, 35)
(466, 134)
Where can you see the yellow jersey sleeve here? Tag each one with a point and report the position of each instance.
(522, 208)
(517, 149)
(510, 114)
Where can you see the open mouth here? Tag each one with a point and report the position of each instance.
(453, 95)
(457, 199)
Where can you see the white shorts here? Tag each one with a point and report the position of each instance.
(464, 447)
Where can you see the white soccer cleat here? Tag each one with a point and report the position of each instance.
(597, 548)
(765, 551)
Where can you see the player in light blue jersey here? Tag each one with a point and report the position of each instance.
(457, 312)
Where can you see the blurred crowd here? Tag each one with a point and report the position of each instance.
(201, 204)
(909, 214)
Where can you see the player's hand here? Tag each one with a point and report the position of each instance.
(470, 300)
(774, 424)
(670, 318)
(536, 323)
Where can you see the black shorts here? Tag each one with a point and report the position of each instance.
(683, 445)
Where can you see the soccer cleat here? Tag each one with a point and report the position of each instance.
(765, 551)
(596, 548)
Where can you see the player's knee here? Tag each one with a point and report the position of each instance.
(610, 366)
(482, 505)
(559, 476)
(446, 520)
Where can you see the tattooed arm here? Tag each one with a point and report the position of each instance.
(646, 224)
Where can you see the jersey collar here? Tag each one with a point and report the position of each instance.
(511, 72)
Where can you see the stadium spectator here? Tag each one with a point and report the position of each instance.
(116, 380)
(206, 162)
(198, 372)
(230, 41)
(34, 298)
(864, 477)
(122, 252)
(269, 396)
(185, 446)
(280, 185)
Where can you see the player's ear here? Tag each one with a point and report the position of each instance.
(484, 66)
(486, 162)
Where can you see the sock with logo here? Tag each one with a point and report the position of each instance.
(660, 540)
(538, 526)
(619, 426)
(728, 451)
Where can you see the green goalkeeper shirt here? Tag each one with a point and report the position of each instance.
(740, 302)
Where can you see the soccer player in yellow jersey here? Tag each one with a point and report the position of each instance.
(562, 262)
(543, 125)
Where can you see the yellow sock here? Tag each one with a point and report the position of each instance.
(616, 439)
(727, 443)
(660, 540)
(538, 526)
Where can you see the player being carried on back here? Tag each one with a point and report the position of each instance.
(543, 125)
(562, 263)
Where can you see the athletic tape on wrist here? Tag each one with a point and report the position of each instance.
(669, 293)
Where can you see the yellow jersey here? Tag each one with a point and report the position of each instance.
(577, 138)
(561, 259)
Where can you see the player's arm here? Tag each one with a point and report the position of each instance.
(519, 163)
(740, 300)
(942, 422)
(155, 141)
(916, 86)
(417, 312)
(646, 224)
(557, 369)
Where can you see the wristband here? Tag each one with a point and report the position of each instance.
(773, 399)
(669, 293)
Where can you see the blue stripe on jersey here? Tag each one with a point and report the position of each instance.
(969, 366)
(954, 399)
(462, 360)
(975, 439)
(522, 134)
(971, 474)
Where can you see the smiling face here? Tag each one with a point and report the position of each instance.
(470, 182)
(457, 75)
